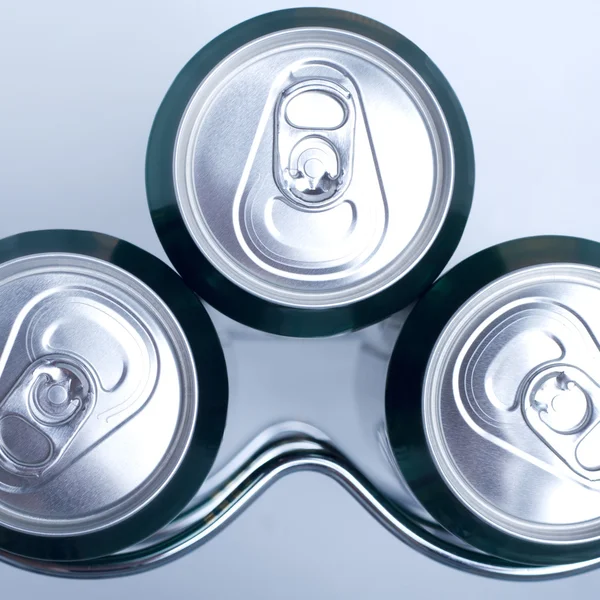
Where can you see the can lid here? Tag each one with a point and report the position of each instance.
(314, 166)
(511, 403)
(99, 395)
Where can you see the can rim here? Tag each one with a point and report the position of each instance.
(211, 376)
(220, 291)
(404, 388)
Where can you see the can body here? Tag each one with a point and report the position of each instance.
(310, 172)
(491, 400)
(112, 406)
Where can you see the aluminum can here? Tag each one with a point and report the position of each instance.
(309, 172)
(113, 393)
(493, 397)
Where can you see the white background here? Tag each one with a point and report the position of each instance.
(79, 86)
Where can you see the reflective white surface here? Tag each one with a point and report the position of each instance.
(81, 84)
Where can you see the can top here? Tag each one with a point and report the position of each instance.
(313, 167)
(511, 404)
(98, 395)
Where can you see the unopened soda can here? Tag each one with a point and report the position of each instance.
(493, 400)
(113, 392)
(310, 171)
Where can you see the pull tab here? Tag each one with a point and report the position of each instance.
(314, 142)
(310, 207)
(42, 413)
(562, 406)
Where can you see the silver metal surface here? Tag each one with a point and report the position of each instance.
(331, 178)
(97, 394)
(272, 399)
(260, 446)
(511, 404)
(198, 525)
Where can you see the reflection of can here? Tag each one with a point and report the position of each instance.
(493, 400)
(310, 171)
(113, 393)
